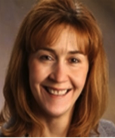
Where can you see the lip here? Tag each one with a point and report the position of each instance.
(57, 89)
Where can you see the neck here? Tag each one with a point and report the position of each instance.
(54, 126)
(57, 127)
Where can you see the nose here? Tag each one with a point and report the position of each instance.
(59, 73)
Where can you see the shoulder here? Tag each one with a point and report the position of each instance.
(1, 133)
(5, 125)
(106, 128)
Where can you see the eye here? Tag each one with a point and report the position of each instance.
(73, 60)
(46, 57)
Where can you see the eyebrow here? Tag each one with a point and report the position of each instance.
(53, 51)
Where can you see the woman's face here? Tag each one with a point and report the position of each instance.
(57, 74)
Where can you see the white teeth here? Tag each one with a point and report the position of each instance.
(55, 92)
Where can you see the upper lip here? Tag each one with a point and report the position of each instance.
(58, 89)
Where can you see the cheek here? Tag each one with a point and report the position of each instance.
(79, 77)
(36, 71)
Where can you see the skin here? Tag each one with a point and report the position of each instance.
(61, 66)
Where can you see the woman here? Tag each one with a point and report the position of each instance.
(56, 83)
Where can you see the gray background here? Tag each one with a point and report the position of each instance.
(12, 13)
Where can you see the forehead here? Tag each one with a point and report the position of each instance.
(57, 33)
(67, 39)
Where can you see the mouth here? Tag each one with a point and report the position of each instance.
(57, 92)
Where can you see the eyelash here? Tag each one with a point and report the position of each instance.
(74, 60)
(49, 58)
(46, 57)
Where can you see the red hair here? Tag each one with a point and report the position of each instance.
(42, 26)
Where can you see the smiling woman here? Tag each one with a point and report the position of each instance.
(56, 84)
(58, 74)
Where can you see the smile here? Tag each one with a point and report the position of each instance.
(56, 92)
